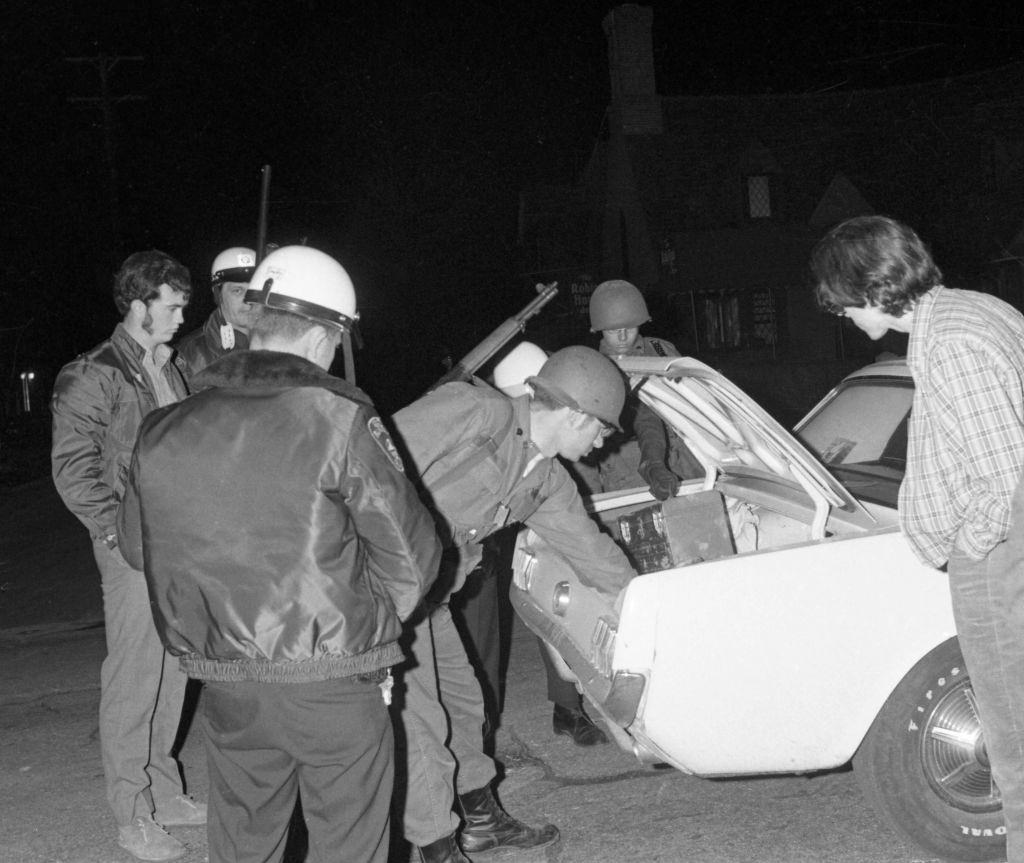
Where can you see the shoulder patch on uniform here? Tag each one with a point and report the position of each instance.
(383, 439)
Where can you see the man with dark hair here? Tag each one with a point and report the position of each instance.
(961, 494)
(284, 546)
(486, 461)
(99, 401)
(143, 276)
(227, 327)
(873, 261)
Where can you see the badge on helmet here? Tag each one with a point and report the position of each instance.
(233, 265)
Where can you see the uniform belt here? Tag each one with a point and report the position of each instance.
(378, 676)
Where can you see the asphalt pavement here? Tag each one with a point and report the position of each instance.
(609, 808)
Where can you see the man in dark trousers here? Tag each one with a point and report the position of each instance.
(961, 504)
(99, 401)
(484, 461)
(284, 546)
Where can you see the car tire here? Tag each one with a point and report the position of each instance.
(923, 765)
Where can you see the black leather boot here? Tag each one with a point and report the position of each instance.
(489, 826)
(577, 725)
(443, 850)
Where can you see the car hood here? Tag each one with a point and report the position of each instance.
(729, 433)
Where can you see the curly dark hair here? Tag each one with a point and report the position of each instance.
(872, 260)
(142, 274)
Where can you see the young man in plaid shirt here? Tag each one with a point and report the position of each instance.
(961, 493)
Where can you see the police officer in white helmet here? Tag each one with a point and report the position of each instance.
(227, 327)
(284, 546)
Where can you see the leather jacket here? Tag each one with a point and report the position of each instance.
(283, 540)
(479, 471)
(205, 344)
(99, 400)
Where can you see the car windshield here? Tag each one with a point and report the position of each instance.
(860, 434)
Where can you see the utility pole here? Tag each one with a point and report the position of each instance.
(105, 101)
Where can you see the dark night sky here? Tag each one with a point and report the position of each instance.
(399, 133)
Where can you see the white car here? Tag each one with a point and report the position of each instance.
(788, 627)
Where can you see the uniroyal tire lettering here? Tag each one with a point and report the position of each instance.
(902, 777)
(982, 832)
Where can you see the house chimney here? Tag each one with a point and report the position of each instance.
(635, 100)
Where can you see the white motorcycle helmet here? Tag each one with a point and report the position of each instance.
(233, 265)
(306, 282)
(520, 363)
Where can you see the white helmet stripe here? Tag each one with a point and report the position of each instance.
(299, 307)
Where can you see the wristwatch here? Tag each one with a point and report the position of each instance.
(110, 541)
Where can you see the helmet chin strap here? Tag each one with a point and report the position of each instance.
(263, 294)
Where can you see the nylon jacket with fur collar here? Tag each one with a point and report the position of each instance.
(281, 539)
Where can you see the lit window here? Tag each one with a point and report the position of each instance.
(759, 197)
(762, 307)
(721, 319)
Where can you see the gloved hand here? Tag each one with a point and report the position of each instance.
(664, 484)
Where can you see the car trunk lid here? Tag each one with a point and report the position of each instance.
(732, 436)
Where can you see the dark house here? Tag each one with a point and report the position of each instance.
(711, 204)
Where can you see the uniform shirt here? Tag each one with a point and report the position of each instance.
(644, 346)
(965, 448)
(659, 445)
(213, 340)
(479, 470)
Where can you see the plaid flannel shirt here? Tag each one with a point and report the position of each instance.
(966, 437)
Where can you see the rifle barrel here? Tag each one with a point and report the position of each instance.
(467, 366)
(261, 226)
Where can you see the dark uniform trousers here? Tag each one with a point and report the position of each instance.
(442, 720)
(330, 741)
(484, 619)
(483, 615)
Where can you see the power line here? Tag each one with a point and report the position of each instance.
(104, 65)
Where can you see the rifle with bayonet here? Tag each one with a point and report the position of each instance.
(464, 369)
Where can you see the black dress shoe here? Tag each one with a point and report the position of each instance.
(577, 725)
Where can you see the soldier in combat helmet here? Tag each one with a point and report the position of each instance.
(658, 457)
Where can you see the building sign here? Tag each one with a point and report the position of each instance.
(581, 288)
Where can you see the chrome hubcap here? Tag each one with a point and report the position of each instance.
(953, 753)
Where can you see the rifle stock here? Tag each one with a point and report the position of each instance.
(464, 369)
